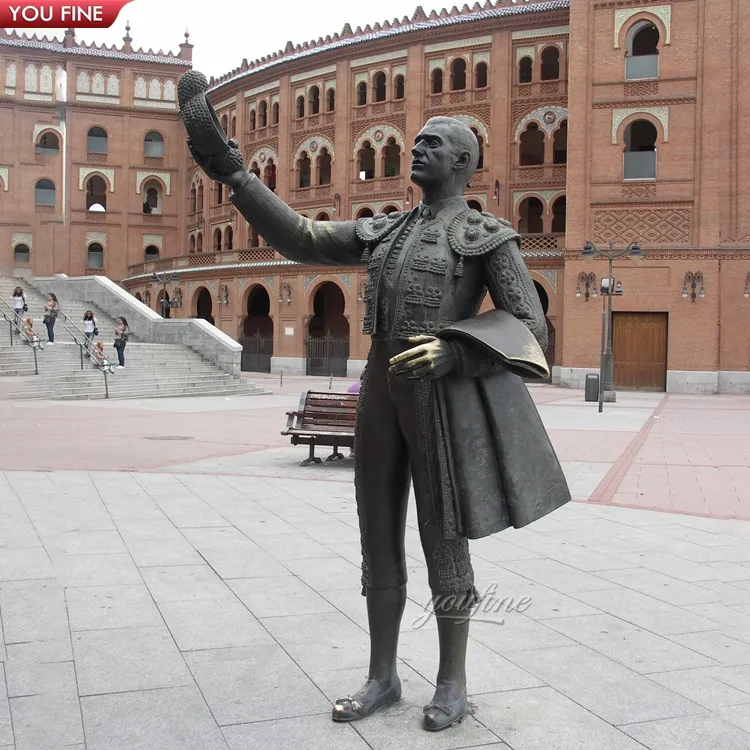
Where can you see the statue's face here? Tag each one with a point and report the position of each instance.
(433, 156)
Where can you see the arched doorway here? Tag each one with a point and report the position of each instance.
(549, 353)
(204, 305)
(257, 332)
(327, 341)
(163, 309)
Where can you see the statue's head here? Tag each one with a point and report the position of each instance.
(445, 152)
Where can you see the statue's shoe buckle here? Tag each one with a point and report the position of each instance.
(349, 709)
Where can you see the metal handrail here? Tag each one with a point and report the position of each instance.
(34, 344)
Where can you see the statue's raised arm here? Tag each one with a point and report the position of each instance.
(294, 236)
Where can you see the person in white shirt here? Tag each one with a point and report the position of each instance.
(19, 307)
(89, 329)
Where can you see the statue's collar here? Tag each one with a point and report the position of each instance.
(432, 211)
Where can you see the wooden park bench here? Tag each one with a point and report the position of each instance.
(323, 419)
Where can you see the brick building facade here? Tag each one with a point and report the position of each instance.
(599, 121)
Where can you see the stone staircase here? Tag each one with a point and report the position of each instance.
(151, 370)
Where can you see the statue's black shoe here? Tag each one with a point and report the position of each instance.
(366, 702)
(439, 716)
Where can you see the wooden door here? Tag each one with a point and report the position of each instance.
(639, 344)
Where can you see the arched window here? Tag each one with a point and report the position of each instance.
(21, 254)
(364, 213)
(480, 76)
(304, 167)
(480, 143)
(95, 256)
(275, 113)
(255, 169)
(200, 196)
(217, 240)
(96, 141)
(392, 159)
(225, 125)
(361, 94)
(48, 144)
(154, 202)
(192, 199)
(560, 144)
(642, 59)
(300, 106)
(550, 64)
(234, 126)
(96, 194)
(398, 88)
(322, 216)
(199, 243)
(640, 151)
(229, 238)
(191, 243)
(153, 145)
(324, 167)
(558, 215)
(314, 99)
(378, 85)
(437, 81)
(366, 162)
(388, 209)
(532, 146)
(269, 175)
(458, 74)
(151, 253)
(253, 120)
(218, 193)
(263, 114)
(525, 67)
(531, 213)
(254, 238)
(476, 205)
(44, 193)
(330, 100)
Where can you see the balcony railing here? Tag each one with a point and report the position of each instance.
(540, 89)
(391, 185)
(542, 242)
(540, 174)
(641, 66)
(639, 165)
(458, 98)
(199, 260)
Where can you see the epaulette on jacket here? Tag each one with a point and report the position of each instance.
(373, 229)
(474, 233)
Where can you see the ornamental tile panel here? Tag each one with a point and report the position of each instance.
(662, 12)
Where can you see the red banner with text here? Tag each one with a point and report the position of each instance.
(55, 14)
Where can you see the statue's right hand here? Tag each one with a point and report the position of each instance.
(214, 171)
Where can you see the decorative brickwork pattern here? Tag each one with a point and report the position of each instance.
(648, 225)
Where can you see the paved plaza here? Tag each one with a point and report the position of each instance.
(172, 579)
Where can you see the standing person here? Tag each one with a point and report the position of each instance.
(122, 333)
(89, 329)
(435, 388)
(51, 309)
(19, 306)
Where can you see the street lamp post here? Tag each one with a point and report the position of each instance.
(606, 368)
(165, 279)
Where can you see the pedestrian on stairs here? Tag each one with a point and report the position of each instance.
(51, 310)
(31, 338)
(19, 307)
(122, 333)
(89, 329)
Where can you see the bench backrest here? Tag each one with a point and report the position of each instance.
(330, 411)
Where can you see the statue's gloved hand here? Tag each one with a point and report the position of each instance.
(213, 172)
(429, 358)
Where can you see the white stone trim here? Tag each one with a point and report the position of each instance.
(4, 178)
(692, 381)
(522, 52)
(97, 99)
(731, 381)
(153, 239)
(38, 97)
(142, 176)
(108, 172)
(534, 33)
(660, 113)
(388, 131)
(262, 155)
(473, 122)
(260, 89)
(231, 102)
(307, 145)
(154, 104)
(22, 238)
(547, 196)
(477, 41)
(561, 113)
(662, 12)
(100, 237)
(317, 73)
(375, 59)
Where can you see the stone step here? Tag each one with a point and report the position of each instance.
(163, 393)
